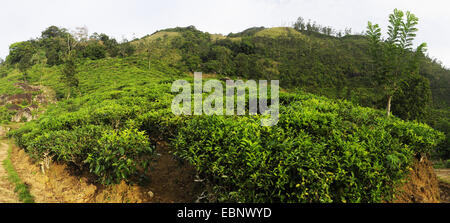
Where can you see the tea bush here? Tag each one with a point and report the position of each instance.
(106, 129)
(320, 151)
(119, 155)
(5, 115)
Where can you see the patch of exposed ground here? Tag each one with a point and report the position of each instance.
(169, 182)
(422, 185)
(443, 175)
(444, 184)
(27, 106)
(7, 194)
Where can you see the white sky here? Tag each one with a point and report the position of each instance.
(24, 19)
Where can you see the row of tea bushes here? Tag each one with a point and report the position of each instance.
(320, 151)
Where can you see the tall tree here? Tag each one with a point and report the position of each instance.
(300, 24)
(69, 74)
(394, 60)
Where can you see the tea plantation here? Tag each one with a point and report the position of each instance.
(322, 150)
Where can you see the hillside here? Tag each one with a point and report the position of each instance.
(324, 149)
(329, 62)
(335, 67)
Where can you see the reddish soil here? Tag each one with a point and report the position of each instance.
(172, 181)
(18, 98)
(26, 87)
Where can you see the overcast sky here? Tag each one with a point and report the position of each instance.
(25, 19)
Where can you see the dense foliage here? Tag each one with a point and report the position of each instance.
(322, 150)
(107, 130)
(318, 146)
(327, 65)
(53, 45)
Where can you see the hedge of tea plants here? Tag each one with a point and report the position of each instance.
(106, 128)
(320, 151)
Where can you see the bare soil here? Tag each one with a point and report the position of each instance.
(444, 184)
(422, 185)
(443, 174)
(170, 182)
(7, 194)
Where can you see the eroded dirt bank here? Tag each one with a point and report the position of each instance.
(170, 182)
(422, 185)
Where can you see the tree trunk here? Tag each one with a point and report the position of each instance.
(68, 94)
(389, 106)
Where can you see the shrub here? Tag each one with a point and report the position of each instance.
(119, 155)
(320, 151)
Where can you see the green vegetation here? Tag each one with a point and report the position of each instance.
(319, 60)
(20, 188)
(332, 144)
(105, 131)
(111, 129)
(442, 164)
(395, 62)
(320, 151)
(5, 115)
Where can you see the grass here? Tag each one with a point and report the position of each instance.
(278, 31)
(442, 164)
(444, 180)
(20, 188)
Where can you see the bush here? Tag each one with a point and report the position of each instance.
(107, 130)
(443, 164)
(119, 155)
(5, 115)
(109, 154)
(320, 151)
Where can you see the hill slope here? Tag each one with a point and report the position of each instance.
(322, 150)
(325, 65)
(122, 109)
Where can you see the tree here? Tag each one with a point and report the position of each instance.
(70, 68)
(53, 32)
(300, 24)
(3, 69)
(222, 58)
(111, 45)
(69, 74)
(21, 53)
(94, 50)
(125, 49)
(394, 61)
(348, 31)
(413, 99)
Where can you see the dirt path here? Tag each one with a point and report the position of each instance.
(443, 174)
(444, 184)
(7, 194)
